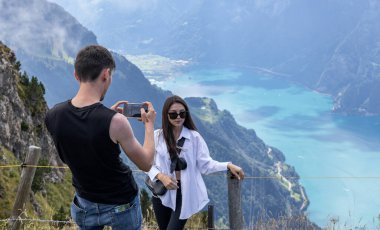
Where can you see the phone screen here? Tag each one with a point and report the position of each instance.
(133, 109)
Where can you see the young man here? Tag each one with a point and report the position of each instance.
(87, 136)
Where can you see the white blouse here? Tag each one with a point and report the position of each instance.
(197, 156)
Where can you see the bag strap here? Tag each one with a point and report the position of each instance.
(174, 159)
(180, 143)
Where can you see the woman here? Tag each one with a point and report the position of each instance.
(187, 192)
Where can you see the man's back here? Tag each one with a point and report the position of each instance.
(82, 139)
(87, 136)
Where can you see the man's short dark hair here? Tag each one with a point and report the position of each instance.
(91, 60)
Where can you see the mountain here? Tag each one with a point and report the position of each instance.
(330, 46)
(267, 198)
(37, 37)
(353, 71)
(46, 39)
(263, 199)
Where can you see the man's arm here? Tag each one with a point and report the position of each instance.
(121, 132)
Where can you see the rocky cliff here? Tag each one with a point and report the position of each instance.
(20, 125)
(22, 113)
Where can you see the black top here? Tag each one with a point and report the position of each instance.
(81, 136)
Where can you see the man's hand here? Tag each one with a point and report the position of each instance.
(236, 171)
(117, 108)
(149, 116)
(169, 182)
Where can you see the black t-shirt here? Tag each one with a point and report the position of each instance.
(81, 136)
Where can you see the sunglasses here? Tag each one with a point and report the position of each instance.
(174, 115)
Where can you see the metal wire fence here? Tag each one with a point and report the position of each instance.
(57, 224)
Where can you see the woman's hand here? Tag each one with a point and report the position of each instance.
(236, 171)
(169, 182)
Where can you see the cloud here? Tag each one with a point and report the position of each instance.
(90, 13)
(272, 7)
(133, 5)
(33, 29)
(19, 28)
(87, 12)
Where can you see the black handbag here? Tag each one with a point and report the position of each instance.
(157, 187)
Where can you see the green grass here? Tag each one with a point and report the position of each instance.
(68, 59)
(49, 200)
(296, 196)
(206, 113)
(9, 179)
(60, 194)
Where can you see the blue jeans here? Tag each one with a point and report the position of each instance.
(92, 216)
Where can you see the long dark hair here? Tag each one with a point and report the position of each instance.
(167, 128)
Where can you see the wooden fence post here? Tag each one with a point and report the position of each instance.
(24, 187)
(210, 217)
(234, 202)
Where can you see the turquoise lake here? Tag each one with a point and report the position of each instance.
(336, 155)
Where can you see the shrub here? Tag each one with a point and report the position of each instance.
(32, 93)
(61, 215)
(24, 126)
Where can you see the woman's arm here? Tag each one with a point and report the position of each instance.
(204, 161)
(207, 165)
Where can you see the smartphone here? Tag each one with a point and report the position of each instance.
(134, 109)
